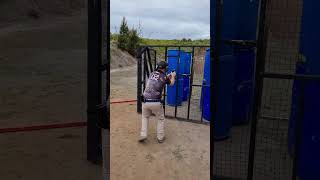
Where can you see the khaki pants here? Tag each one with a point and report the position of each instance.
(147, 110)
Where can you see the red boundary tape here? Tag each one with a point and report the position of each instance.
(43, 127)
(119, 102)
(53, 126)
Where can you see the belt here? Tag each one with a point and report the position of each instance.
(152, 100)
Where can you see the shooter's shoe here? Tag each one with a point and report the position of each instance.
(161, 140)
(142, 139)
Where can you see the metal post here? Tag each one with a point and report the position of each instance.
(258, 85)
(139, 81)
(106, 153)
(155, 59)
(94, 93)
(298, 130)
(202, 102)
(177, 89)
(149, 60)
(145, 71)
(165, 87)
(214, 72)
(191, 83)
(106, 128)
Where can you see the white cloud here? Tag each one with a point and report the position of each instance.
(164, 19)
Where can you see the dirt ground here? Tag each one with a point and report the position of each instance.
(43, 81)
(49, 154)
(184, 155)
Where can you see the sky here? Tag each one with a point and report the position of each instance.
(164, 19)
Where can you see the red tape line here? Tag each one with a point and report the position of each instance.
(53, 126)
(43, 127)
(119, 102)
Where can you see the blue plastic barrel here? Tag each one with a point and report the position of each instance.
(183, 59)
(309, 147)
(206, 81)
(186, 88)
(205, 91)
(173, 59)
(248, 16)
(300, 69)
(206, 72)
(239, 21)
(243, 85)
(224, 106)
(205, 101)
(186, 76)
(309, 157)
(310, 37)
(174, 97)
(188, 63)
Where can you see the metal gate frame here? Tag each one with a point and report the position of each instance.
(216, 43)
(145, 60)
(98, 78)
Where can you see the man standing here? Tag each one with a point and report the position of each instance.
(152, 100)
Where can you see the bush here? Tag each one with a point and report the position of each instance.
(133, 41)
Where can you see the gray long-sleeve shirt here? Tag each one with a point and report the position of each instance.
(155, 85)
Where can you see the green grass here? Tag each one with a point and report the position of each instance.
(158, 42)
(174, 42)
(146, 41)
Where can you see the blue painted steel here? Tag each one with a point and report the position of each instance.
(309, 156)
(243, 85)
(224, 106)
(186, 76)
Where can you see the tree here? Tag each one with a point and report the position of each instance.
(133, 41)
(123, 34)
(129, 39)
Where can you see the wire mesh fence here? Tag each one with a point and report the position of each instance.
(282, 25)
(275, 142)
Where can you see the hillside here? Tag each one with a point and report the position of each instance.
(59, 24)
(18, 10)
(120, 58)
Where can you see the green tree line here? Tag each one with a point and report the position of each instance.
(129, 39)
